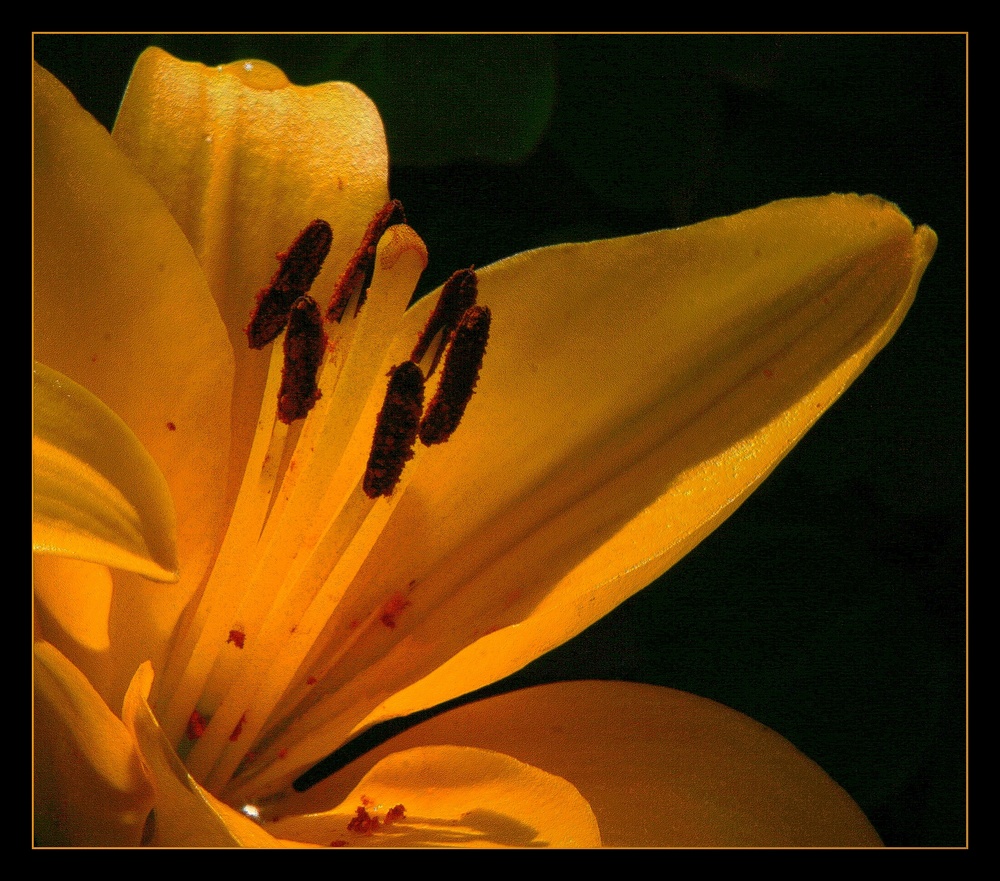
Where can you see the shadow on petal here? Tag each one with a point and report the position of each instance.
(659, 767)
(449, 796)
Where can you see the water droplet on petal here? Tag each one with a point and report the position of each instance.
(257, 75)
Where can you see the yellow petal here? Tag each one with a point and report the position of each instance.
(245, 160)
(122, 307)
(185, 815)
(454, 797)
(634, 392)
(90, 786)
(73, 605)
(659, 767)
(97, 494)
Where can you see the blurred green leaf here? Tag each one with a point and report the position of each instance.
(453, 98)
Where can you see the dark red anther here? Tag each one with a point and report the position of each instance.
(298, 268)
(357, 275)
(395, 431)
(457, 296)
(305, 343)
(458, 378)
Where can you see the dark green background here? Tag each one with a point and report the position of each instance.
(831, 607)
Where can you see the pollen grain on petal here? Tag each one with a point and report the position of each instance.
(238, 730)
(392, 607)
(458, 377)
(363, 823)
(305, 343)
(357, 275)
(395, 431)
(196, 725)
(297, 270)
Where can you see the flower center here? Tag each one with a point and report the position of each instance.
(257, 657)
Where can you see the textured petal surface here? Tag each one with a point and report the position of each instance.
(659, 767)
(97, 495)
(245, 160)
(90, 785)
(185, 814)
(121, 306)
(633, 393)
(454, 797)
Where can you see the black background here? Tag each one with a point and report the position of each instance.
(831, 607)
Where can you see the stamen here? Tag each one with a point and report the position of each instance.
(458, 378)
(395, 431)
(305, 343)
(457, 296)
(300, 265)
(357, 276)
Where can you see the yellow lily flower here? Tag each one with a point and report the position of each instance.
(633, 392)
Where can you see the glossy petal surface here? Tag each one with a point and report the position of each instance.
(244, 160)
(455, 797)
(659, 767)
(97, 494)
(634, 392)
